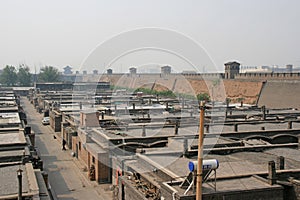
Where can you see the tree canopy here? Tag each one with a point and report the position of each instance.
(203, 97)
(49, 74)
(9, 76)
(24, 76)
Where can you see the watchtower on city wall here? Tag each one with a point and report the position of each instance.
(237, 85)
(231, 69)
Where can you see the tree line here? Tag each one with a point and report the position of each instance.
(21, 76)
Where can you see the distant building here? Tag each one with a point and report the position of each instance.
(166, 70)
(267, 69)
(54, 86)
(89, 118)
(84, 72)
(132, 70)
(255, 69)
(67, 70)
(289, 68)
(231, 69)
(95, 72)
(189, 72)
(109, 71)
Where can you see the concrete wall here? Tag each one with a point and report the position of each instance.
(89, 119)
(275, 193)
(283, 94)
(270, 194)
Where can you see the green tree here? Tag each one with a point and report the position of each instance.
(9, 76)
(49, 74)
(203, 97)
(24, 76)
(240, 99)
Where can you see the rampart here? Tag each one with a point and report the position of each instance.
(244, 87)
(268, 76)
(192, 84)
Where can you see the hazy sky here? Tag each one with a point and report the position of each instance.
(64, 32)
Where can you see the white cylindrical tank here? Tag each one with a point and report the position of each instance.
(207, 165)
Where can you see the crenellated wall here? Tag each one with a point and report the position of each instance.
(268, 76)
(244, 86)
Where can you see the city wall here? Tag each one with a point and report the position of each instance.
(268, 76)
(244, 87)
(192, 84)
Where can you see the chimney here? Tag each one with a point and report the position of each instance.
(272, 173)
(280, 163)
(27, 130)
(185, 146)
(144, 131)
(290, 124)
(207, 128)
(176, 127)
(236, 127)
(89, 118)
(263, 109)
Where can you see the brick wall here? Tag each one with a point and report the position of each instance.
(82, 155)
(55, 121)
(131, 193)
(102, 169)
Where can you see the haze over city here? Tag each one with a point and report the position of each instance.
(150, 100)
(61, 33)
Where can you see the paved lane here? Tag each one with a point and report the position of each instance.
(66, 175)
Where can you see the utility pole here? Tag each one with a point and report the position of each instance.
(200, 152)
